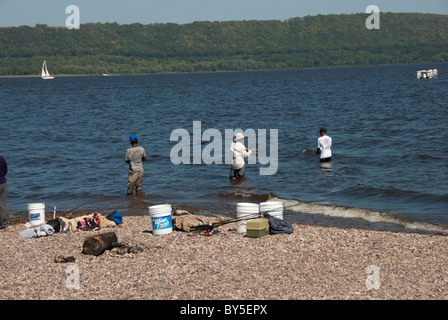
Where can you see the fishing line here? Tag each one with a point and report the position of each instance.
(53, 208)
(68, 210)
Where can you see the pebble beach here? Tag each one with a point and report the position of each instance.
(312, 263)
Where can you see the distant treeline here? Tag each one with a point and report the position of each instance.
(311, 41)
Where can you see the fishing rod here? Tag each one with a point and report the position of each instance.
(71, 212)
(208, 227)
(68, 210)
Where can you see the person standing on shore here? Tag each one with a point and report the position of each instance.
(324, 144)
(135, 155)
(4, 211)
(239, 151)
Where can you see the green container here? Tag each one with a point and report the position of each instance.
(257, 233)
(257, 228)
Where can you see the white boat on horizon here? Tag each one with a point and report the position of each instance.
(427, 73)
(45, 73)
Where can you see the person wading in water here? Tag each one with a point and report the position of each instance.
(134, 157)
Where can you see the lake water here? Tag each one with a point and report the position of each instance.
(65, 141)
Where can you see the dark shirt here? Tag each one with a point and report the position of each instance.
(3, 170)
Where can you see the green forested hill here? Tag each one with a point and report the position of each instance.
(312, 41)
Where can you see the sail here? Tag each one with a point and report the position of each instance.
(45, 73)
(43, 69)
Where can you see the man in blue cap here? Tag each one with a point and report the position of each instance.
(134, 157)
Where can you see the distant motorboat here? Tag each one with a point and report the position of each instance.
(427, 73)
(45, 73)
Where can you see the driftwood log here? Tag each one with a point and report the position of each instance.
(96, 245)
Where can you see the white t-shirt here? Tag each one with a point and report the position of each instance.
(134, 156)
(239, 153)
(324, 144)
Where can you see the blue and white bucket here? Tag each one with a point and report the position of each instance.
(161, 219)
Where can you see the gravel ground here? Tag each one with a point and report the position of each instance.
(311, 263)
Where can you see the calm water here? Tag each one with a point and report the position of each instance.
(65, 141)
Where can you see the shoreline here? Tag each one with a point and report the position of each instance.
(223, 71)
(59, 75)
(312, 263)
(290, 216)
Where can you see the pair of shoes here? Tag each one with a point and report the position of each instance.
(3, 227)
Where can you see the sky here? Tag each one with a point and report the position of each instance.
(52, 12)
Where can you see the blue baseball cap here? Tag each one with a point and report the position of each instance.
(133, 138)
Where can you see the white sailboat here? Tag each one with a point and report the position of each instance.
(45, 74)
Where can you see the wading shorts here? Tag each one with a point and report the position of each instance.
(135, 179)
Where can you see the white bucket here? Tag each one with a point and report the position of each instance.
(273, 208)
(161, 219)
(36, 213)
(245, 209)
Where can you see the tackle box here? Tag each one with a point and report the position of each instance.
(257, 228)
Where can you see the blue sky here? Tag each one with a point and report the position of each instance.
(52, 12)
